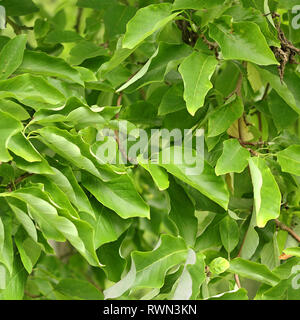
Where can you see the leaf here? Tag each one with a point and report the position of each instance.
(223, 117)
(17, 8)
(72, 148)
(229, 232)
(43, 64)
(197, 70)
(8, 127)
(150, 267)
(145, 22)
(62, 36)
(27, 88)
(20, 212)
(238, 39)
(109, 226)
(267, 196)
(118, 194)
(29, 251)
(14, 109)
(159, 175)
(196, 4)
(201, 178)
(54, 226)
(157, 66)
(15, 283)
(289, 159)
(95, 4)
(193, 275)
(254, 271)
(219, 265)
(78, 289)
(288, 93)
(22, 147)
(233, 159)
(11, 56)
(182, 213)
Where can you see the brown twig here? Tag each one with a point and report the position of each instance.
(284, 227)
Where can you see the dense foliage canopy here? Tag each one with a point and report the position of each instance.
(76, 226)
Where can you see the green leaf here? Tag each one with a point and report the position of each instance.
(254, 271)
(8, 127)
(29, 251)
(72, 148)
(219, 265)
(238, 39)
(267, 196)
(11, 56)
(14, 109)
(118, 194)
(43, 64)
(233, 159)
(79, 289)
(203, 179)
(145, 22)
(17, 8)
(182, 213)
(229, 232)
(149, 268)
(223, 117)
(193, 275)
(15, 283)
(289, 159)
(22, 147)
(196, 4)
(197, 70)
(27, 88)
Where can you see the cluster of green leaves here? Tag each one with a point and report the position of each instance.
(73, 227)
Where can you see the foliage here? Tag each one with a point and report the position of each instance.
(75, 227)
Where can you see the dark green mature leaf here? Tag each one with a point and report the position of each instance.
(196, 4)
(17, 8)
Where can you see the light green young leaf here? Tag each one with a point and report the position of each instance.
(145, 22)
(267, 196)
